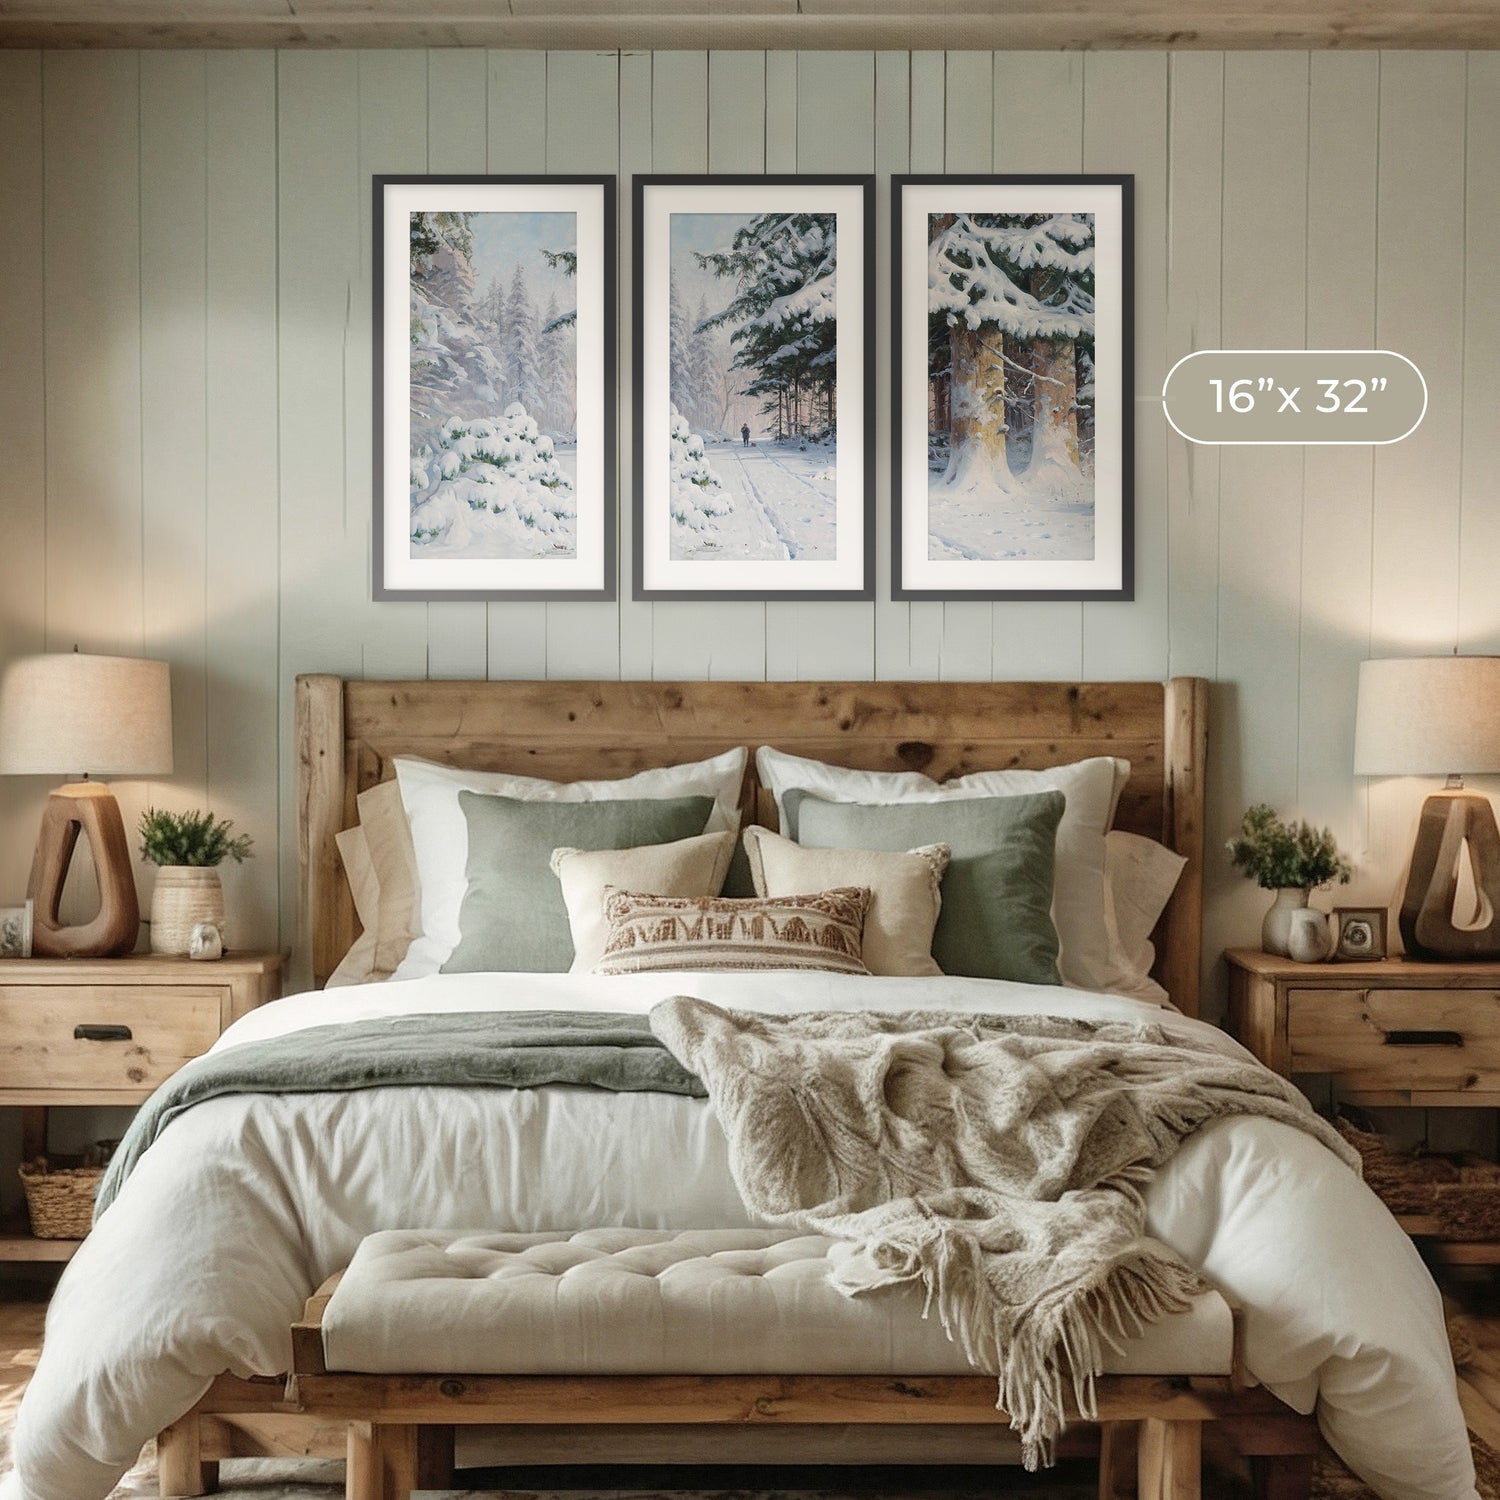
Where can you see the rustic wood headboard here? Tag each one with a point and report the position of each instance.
(349, 731)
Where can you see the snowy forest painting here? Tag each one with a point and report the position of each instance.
(493, 409)
(758, 294)
(1011, 419)
(496, 339)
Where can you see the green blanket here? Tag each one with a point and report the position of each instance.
(479, 1049)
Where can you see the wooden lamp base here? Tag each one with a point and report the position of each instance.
(86, 807)
(1451, 821)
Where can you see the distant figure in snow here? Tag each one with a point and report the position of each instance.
(745, 434)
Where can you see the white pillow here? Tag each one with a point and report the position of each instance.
(685, 867)
(440, 833)
(1141, 875)
(1092, 788)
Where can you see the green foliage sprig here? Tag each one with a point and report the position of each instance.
(190, 838)
(1276, 854)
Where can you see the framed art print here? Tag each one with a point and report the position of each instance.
(754, 387)
(1012, 348)
(494, 416)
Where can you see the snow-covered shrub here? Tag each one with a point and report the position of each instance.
(491, 489)
(699, 498)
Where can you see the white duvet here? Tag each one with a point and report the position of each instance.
(247, 1203)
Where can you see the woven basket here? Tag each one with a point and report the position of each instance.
(1460, 1193)
(60, 1200)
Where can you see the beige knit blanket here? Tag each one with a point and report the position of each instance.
(999, 1161)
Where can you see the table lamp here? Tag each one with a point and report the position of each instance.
(1424, 716)
(94, 715)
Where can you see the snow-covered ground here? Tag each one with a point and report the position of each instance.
(781, 504)
(494, 489)
(982, 523)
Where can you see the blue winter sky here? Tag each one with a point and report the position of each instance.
(702, 233)
(501, 239)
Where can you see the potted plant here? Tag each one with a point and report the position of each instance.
(1290, 859)
(189, 847)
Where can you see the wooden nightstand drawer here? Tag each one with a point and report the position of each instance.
(1420, 1040)
(65, 1036)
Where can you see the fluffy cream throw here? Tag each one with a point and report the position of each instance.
(999, 1161)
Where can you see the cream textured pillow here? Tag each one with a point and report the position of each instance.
(440, 833)
(905, 892)
(388, 837)
(685, 867)
(357, 966)
(650, 933)
(1092, 788)
(1141, 876)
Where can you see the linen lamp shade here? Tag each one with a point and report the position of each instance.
(88, 715)
(94, 715)
(1430, 715)
(1439, 715)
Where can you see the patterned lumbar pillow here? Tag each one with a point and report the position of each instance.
(823, 931)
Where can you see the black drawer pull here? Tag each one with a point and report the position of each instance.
(87, 1033)
(1424, 1039)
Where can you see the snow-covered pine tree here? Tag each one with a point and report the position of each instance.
(557, 411)
(1028, 278)
(454, 369)
(698, 498)
(565, 261)
(701, 370)
(1058, 251)
(782, 316)
(679, 366)
(522, 358)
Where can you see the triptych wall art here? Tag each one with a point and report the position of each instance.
(754, 433)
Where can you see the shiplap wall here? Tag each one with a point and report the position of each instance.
(185, 372)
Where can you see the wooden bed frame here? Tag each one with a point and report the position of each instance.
(348, 733)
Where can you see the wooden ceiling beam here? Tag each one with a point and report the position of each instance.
(608, 25)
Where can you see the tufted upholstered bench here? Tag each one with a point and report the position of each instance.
(425, 1331)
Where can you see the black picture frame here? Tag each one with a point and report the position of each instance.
(595, 533)
(1109, 574)
(656, 574)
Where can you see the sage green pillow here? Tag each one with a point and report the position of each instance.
(996, 920)
(513, 917)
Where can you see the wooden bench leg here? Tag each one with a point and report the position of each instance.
(180, 1465)
(382, 1461)
(1171, 1460)
(1118, 1460)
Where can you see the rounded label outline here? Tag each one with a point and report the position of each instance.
(1294, 442)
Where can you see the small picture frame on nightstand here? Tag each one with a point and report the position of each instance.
(1361, 934)
(15, 931)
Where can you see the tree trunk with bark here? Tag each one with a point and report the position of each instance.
(1055, 366)
(976, 433)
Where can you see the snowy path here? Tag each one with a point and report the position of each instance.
(784, 504)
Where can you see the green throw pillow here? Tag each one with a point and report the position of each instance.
(996, 921)
(513, 917)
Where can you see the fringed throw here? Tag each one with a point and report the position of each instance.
(997, 1161)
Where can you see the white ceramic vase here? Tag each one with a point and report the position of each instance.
(1276, 929)
(1310, 940)
(185, 895)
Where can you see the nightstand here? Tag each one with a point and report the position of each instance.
(1396, 1032)
(108, 1031)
